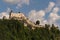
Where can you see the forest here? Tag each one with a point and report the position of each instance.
(15, 30)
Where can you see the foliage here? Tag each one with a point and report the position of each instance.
(15, 30)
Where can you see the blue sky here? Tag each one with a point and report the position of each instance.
(47, 11)
(33, 5)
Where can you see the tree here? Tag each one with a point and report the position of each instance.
(15, 30)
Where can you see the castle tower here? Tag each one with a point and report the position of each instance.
(10, 14)
(37, 22)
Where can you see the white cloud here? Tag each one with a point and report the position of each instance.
(53, 17)
(40, 15)
(54, 14)
(18, 2)
(50, 6)
(4, 14)
(55, 10)
(36, 15)
(12, 1)
(45, 22)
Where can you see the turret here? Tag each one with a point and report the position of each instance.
(37, 22)
(19, 12)
(10, 14)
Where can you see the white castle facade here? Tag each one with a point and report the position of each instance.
(17, 16)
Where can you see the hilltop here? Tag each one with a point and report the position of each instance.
(15, 30)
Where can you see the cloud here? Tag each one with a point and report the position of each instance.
(50, 6)
(4, 14)
(12, 1)
(40, 15)
(53, 17)
(36, 15)
(19, 3)
(55, 10)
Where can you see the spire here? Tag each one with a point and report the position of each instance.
(37, 22)
(19, 12)
(10, 14)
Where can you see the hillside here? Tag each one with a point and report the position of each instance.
(15, 30)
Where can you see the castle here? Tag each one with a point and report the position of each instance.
(16, 16)
(21, 16)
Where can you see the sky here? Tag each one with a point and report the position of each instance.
(47, 11)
